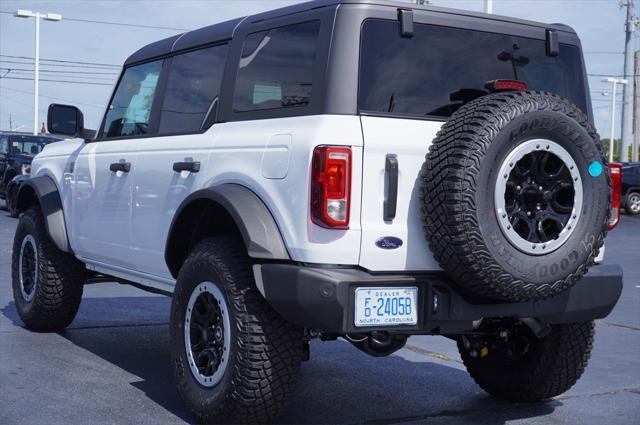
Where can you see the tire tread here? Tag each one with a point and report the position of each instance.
(269, 348)
(448, 195)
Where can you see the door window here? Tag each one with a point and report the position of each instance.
(192, 88)
(130, 109)
(276, 68)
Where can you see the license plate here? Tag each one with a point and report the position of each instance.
(386, 306)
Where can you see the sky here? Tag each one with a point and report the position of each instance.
(599, 23)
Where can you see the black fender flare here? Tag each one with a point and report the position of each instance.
(256, 224)
(45, 190)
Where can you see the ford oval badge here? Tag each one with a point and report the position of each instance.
(389, 242)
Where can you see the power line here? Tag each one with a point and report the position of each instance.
(79, 78)
(58, 65)
(59, 81)
(17, 101)
(122, 24)
(611, 75)
(603, 53)
(61, 61)
(68, 77)
(52, 97)
(61, 72)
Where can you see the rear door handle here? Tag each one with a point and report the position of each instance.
(125, 167)
(391, 200)
(190, 166)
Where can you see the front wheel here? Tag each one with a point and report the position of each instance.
(633, 203)
(10, 203)
(515, 365)
(47, 283)
(236, 360)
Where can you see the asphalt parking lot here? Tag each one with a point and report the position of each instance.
(112, 366)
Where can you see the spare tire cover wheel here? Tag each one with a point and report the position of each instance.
(527, 196)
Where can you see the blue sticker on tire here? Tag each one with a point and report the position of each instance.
(595, 169)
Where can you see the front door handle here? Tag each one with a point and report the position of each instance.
(190, 166)
(125, 167)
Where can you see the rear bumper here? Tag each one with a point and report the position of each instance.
(324, 299)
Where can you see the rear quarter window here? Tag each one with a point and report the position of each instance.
(276, 68)
(422, 75)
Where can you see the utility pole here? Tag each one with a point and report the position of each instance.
(628, 90)
(36, 78)
(614, 84)
(10, 123)
(488, 6)
(636, 109)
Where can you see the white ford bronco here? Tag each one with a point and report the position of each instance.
(353, 169)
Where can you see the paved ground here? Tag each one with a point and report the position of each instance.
(112, 366)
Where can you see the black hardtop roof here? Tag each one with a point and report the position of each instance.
(225, 30)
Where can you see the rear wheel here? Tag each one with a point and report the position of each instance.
(47, 283)
(633, 203)
(236, 360)
(517, 366)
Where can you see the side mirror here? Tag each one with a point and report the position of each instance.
(67, 120)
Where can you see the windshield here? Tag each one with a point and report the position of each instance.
(30, 145)
(434, 72)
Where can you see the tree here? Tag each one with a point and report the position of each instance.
(616, 149)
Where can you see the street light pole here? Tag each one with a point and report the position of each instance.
(614, 83)
(36, 77)
(488, 6)
(36, 69)
(628, 90)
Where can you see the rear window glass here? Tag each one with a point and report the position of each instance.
(427, 74)
(276, 68)
(192, 85)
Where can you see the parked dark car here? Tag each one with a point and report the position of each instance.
(16, 153)
(631, 188)
(11, 194)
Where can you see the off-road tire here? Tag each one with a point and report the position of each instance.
(10, 204)
(59, 283)
(458, 181)
(7, 179)
(553, 365)
(266, 350)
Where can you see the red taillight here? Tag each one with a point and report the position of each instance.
(331, 186)
(615, 173)
(499, 85)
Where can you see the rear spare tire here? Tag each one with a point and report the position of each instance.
(516, 196)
